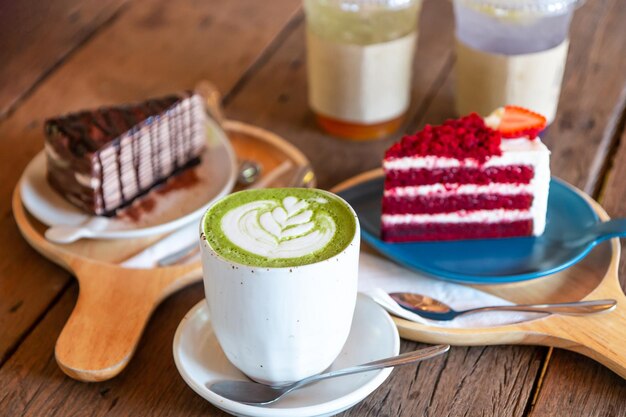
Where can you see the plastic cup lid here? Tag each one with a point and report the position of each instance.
(535, 7)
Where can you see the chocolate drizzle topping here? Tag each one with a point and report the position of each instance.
(173, 148)
(189, 132)
(103, 201)
(91, 130)
(118, 148)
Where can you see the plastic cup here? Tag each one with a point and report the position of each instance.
(511, 52)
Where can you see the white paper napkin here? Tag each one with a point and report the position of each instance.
(378, 276)
(180, 239)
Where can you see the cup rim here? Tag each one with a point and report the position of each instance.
(205, 245)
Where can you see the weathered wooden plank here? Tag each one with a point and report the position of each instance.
(33, 385)
(482, 381)
(155, 47)
(593, 89)
(577, 386)
(35, 36)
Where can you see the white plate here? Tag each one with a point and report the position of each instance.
(373, 336)
(216, 174)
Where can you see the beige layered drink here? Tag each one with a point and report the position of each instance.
(511, 52)
(359, 64)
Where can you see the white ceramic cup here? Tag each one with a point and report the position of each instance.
(279, 325)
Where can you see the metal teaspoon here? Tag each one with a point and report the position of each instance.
(255, 393)
(433, 309)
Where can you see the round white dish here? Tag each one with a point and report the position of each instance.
(201, 361)
(216, 175)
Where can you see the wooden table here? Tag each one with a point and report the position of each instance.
(69, 54)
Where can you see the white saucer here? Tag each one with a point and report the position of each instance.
(216, 174)
(200, 360)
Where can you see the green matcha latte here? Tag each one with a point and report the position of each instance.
(279, 227)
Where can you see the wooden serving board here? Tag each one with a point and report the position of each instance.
(601, 337)
(115, 303)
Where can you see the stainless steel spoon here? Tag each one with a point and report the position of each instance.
(255, 393)
(432, 309)
(249, 172)
(68, 234)
(304, 177)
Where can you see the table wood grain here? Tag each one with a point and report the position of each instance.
(117, 51)
(38, 36)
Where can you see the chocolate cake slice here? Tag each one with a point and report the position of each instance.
(102, 160)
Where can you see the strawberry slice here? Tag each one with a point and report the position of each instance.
(517, 121)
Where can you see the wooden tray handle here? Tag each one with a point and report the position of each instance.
(601, 337)
(106, 324)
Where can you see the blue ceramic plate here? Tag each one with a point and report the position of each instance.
(486, 261)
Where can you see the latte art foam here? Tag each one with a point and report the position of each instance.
(279, 227)
(278, 230)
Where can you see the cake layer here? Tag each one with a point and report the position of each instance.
(88, 199)
(513, 174)
(431, 204)
(454, 231)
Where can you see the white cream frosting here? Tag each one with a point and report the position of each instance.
(461, 216)
(278, 230)
(443, 190)
(87, 180)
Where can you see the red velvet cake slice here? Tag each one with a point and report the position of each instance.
(102, 160)
(468, 178)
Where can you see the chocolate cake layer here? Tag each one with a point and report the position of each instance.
(102, 160)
